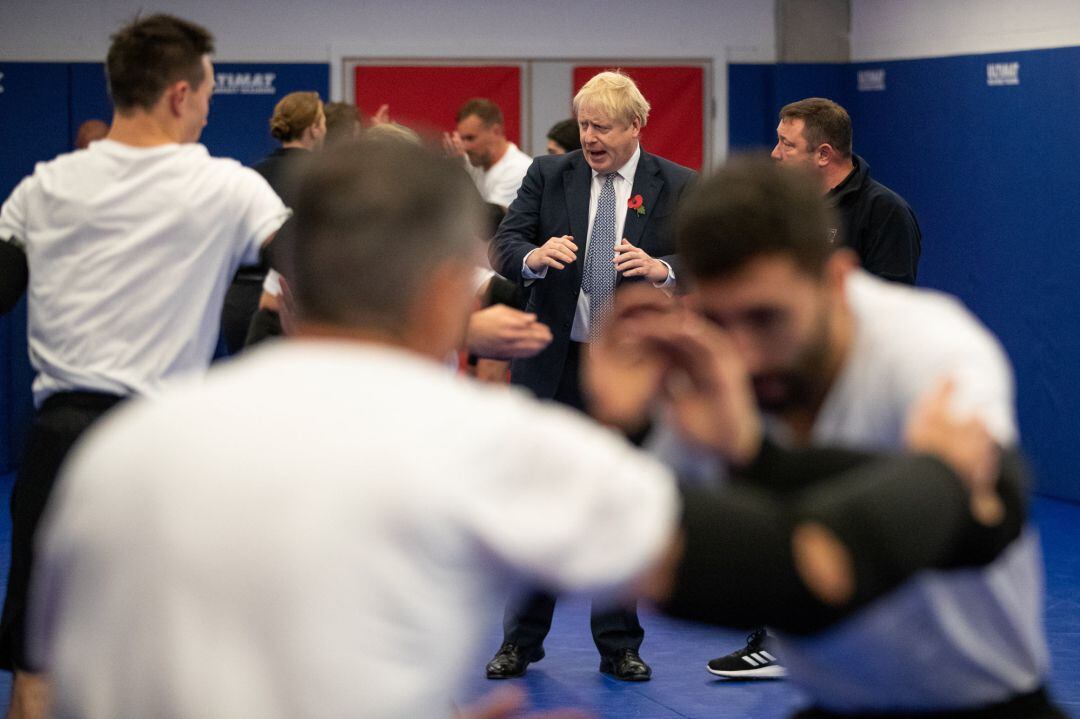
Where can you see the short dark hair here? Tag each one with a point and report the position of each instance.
(342, 119)
(826, 122)
(149, 54)
(483, 108)
(372, 220)
(752, 208)
(566, 133)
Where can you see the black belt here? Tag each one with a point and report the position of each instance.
(81, 399)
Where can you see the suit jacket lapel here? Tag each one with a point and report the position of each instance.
(647, 183)
(577, 181)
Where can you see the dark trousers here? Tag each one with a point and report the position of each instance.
(241, 303)
(526, 624)
(57, 425)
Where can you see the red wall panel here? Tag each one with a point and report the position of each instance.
(676, 121)
(426, 97)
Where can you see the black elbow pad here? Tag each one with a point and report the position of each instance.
(14, 275)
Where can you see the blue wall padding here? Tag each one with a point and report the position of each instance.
(990, 172)
(239, 124)
(757, 92)
(41, 108)
(34, 120)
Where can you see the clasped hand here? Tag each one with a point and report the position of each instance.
(629, 261)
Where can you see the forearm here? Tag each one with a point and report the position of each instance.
(893, 517)
(518, 233)
(791, 471)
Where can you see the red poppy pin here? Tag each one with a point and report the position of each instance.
(637, 204)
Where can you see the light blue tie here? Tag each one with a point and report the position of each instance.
(598, 276)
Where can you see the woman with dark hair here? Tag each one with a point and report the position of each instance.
(299, 124)
(563, 137)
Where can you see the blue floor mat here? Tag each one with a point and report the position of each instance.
(678, 652)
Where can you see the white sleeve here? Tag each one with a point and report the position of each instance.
(587, 513)
(481, 276)
(272, 283)
(961, 348)
(13, 214)
(985, 387)
(526, 271)
(477, 176)
(505, 190)
(262, 213)
(506, 187)
(669, 281)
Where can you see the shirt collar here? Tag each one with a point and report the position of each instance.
(628, 170)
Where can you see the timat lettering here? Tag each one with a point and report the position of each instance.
(1002, 73)
(245, 83)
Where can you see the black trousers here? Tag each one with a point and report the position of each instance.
(526, 624)
(240, 305)
(57, 426)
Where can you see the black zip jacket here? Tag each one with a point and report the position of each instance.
(878, 224)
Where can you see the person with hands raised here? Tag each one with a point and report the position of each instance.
(561, 240)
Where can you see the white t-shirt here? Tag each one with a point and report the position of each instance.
(324, 529)
(906, 339)
(130, 253)
(500, 183)
(946, 639)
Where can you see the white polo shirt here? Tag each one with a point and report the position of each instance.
(324, 529)
(946, 639)
(130, 252)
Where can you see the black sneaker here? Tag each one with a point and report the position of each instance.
(755, 661)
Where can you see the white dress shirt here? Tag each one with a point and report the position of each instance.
(624, 185)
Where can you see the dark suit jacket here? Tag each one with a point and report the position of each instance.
(554, 201)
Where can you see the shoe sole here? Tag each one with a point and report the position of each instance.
(636, 678)
(490, 675)
(504, 676)
(775, 672)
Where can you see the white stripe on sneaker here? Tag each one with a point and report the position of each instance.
(750, 661)
(768, 656)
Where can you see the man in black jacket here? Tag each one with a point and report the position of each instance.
(877, 223)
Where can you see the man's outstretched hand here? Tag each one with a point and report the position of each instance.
(501, 332)
(962, 443)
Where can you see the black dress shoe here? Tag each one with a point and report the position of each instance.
(510, 661)
(626, 666)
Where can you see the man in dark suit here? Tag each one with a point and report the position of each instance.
(582, 223)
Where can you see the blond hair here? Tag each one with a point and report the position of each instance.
(392, 132)
(613, 93)
(295, 113)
